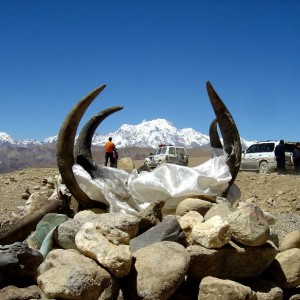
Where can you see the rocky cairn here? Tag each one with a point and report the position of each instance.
(206, 249)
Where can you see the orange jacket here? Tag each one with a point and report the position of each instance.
(109, 146)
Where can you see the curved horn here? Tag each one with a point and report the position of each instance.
(230, 134)
(83, 153)
(214, 138)
(65, 147)
(84, 140)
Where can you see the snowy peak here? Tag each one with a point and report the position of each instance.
(5, 138)
(151, 134)
(146, 134)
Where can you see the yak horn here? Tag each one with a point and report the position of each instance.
(214, 138)
(83, 153)
(230, 134)
(65, 148)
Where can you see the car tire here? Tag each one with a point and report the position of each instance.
(180, 158)
(264, 168)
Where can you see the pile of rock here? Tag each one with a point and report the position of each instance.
(206, 250)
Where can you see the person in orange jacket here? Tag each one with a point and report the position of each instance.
(109, 147)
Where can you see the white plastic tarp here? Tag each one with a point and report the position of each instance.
(172, 183)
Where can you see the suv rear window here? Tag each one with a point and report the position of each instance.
(269, 147)
(289, 147)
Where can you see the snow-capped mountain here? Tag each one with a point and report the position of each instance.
(146, 134)
(6, 139)
(151, 134)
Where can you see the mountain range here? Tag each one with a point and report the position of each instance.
(146, 134)
(135, 141)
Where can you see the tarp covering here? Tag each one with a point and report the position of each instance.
(171, 183)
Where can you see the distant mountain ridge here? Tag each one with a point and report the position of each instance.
(135, 141)
(146, 134)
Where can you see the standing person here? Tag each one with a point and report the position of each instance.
(115, 156)
(296, 158)
(109, 148)
(280, 157)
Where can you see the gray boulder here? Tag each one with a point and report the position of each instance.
(285, 269)
(151, 216)
(248, 225)
(193, 204)
(66, 232)
(291, 240)
(158, 271)
(265, 289)
(67, 274)
(18, 264)
(230, 261)
(168, 230)
(31, 292)
(224, 289)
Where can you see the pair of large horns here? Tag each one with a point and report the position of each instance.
(66, 156)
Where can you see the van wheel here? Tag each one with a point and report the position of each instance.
(264, 168)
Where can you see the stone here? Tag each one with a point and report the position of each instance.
(66, 232)
(35, 201)
(285, 269)
(109, 246)
(248, 225)
(28, 293)
(18, 264)
(232, 261)
(67, 274)
(269, 218)
(291, 240)
(25, 195)
(187, 222)
(168, 230)
(126, 164)
(214, 233)
(222, 209)
(158, 271)
(88, 212)
(224, 289)
(151, 216)
(44, 226)
(195, 204)
(265, 290)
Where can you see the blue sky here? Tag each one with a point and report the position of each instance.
(155, 58)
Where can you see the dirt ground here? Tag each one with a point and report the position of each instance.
(273, 193)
